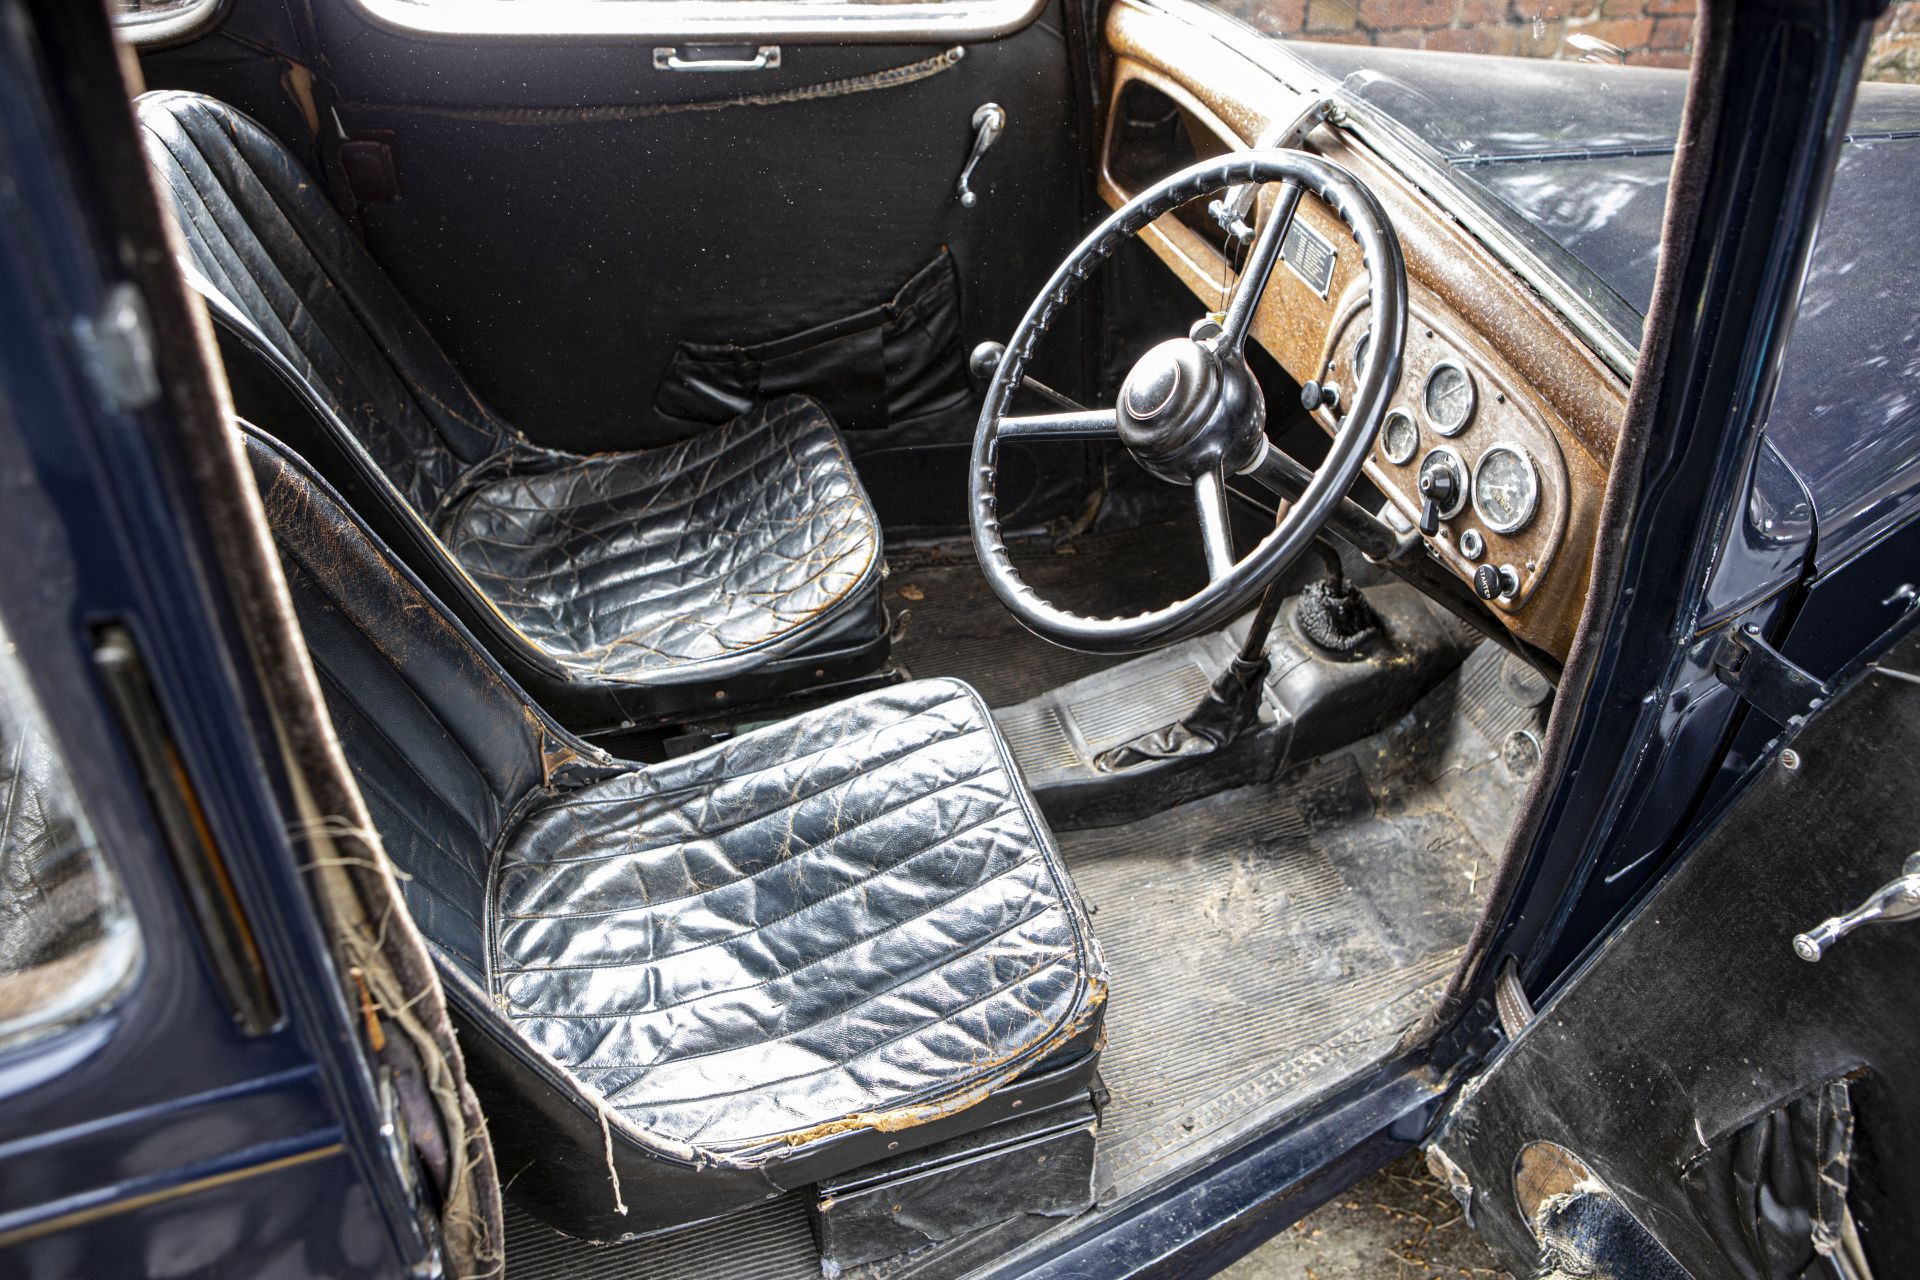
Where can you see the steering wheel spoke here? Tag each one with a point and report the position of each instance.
(1253, 277)
(1216, 526)
(1082, 424)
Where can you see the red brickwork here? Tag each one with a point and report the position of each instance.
(1649, 33)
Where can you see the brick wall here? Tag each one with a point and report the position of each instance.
(1651, 33)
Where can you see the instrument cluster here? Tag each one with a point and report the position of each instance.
(1465, 457)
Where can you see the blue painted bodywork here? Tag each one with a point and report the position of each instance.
(157, 1138)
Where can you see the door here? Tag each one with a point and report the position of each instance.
(626, 219)
(183, 1087)
(1742, 1084)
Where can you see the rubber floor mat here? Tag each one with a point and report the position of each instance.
(1263, 944)
(1313, 922)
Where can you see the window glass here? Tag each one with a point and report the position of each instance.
(1560, 122)
(1848, 407)
(67, 938)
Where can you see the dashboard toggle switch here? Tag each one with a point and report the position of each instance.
(1443, 489)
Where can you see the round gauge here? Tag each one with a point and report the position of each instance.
(1360, 349)
(1399, 438)
(1449, 398)
(1506, 489)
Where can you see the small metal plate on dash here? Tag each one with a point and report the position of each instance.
(1310, 256)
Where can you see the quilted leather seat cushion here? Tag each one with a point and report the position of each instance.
(731, 543)
(615, 585)
(851, 919)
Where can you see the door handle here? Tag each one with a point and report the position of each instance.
(989, 118)
(1896, 900)
(667, 58)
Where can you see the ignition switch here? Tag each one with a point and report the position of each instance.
(1490, 583)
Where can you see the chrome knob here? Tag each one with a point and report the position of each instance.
(985, 360)
(989, 118)
(1892, 902)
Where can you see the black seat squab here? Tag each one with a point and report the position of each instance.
(737, 972)
(617, 587)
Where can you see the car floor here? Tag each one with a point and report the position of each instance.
(1264, 943)
(948, 622)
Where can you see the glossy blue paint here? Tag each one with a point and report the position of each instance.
(126, 1142)
(1652, 728)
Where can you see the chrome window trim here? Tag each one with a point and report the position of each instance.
(693, 21)
(1369, 129)
(158, 31)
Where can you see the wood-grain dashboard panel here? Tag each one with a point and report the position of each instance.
(1539, 388)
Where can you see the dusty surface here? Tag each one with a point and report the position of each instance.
(1400, 1224)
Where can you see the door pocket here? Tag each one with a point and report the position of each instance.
(885, 366)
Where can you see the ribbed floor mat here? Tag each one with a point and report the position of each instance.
(1267, 941)
(1263, 943)
(1280, 976)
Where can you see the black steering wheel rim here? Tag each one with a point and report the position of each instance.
(1231, 593)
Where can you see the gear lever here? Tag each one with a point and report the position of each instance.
(986, 358)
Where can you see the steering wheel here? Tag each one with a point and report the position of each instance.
(1191, 411)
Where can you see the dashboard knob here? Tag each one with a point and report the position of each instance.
(1440, 494)
(1316, 395)
(1491, 583)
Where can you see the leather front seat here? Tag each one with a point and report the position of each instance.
(617, 587)
(715, 978)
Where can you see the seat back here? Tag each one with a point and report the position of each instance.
(444, 747)
(279, 262)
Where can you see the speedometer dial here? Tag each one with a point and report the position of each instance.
(1506, 489)
(1449, 398)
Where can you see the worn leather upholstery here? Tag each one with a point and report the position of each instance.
(619, 587)
(781, 957)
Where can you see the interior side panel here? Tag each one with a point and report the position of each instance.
(1697, 1023)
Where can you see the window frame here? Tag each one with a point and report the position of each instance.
(736, 21)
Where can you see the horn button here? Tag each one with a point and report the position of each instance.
(1185, 409)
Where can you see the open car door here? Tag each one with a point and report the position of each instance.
(1732, 1074)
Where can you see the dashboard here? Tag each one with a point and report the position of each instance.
(1500, 404)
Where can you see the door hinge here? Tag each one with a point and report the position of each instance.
(1767, 679)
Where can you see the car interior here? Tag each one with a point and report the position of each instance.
(924, 670)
